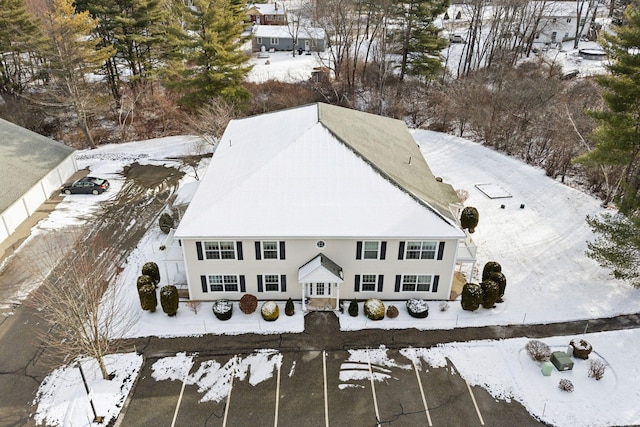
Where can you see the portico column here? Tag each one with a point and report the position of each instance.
(304, 306)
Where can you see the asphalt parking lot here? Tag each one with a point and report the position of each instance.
(323, 388)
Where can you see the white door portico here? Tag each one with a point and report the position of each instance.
(320, 280)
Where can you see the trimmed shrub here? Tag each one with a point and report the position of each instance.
(151, 269)
(490, 293)
(289, 309)
(248, 303)
(270, 311)
(169, 299)
(489, 268)
(471, 296)
(148, 298)
(392, 312)
(166, 223)
(565, 385)
(469, 218)
(501, 280)
(417, 308)
(581, 348)
(444, 306)
(374, 309)
(194, 306)
(353, 308)
(538, 351)
(222, 309)
(145, 280)
(596, 369)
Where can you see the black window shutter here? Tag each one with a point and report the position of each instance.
(282, 250)
(436, 279)
(440, 250)
(380, 282)
(243, 284)
(239, 250)
(283, 283)
(203, 281)
(358, 250)
(383, 250)
(401, 250)
(398, 280)
(199, 250)
(258, 251)
(259, 283)
(356, 286)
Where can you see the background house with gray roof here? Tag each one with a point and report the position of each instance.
(33, 168)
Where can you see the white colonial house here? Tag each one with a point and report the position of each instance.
(558, 20)
(321, 203)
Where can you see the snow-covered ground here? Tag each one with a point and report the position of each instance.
(541, 248)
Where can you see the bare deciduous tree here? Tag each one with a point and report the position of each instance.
(85, 316)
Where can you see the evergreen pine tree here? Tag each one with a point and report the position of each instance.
(219, 65)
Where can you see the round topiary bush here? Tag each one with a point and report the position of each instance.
(166, 223)
(248, 303)
(222, 309)
(270, 311)
(169, 299)
(489, 268)
(501, 280)
(374, 309)
(148, 298)
(417, 308)
(353, 308)
(469, 218)
(392, 312)
(145, 280)
(151, 269)
(490, 293)
(289, 309)
(471, 296)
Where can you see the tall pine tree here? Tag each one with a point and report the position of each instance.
(73, 56)
(217, 65)
(617, 140)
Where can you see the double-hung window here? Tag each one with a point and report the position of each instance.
(219, 250)
(223, 283)
(420, 250)
(370, 249)
(270, 249)
(369, 283)
(275, 41)
(416, 282)
(272, 283)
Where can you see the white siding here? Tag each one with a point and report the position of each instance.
(300, 251)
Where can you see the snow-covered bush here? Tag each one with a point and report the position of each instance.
(538, 351)
(374, 309)
(166, 223)
(169, 299)
(444, 306)
(490, 293)
(151, 269)
(392, 312)
(489, 268)
(248, 303)
(469, 218)
(222, 309)
(270, 311)
(471, 296)
(148, 298)
(596, 369)
(417, 308)
(289, 309)
(353, 308)
(501, 280)
(565, 385)
(144, 280)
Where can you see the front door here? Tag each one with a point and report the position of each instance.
(306, 45)
(319, 290)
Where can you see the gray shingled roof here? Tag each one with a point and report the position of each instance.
(401, 161)
(25, 158)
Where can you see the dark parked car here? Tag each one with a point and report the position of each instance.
(86, 185)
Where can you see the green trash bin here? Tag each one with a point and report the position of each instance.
(546, 368)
